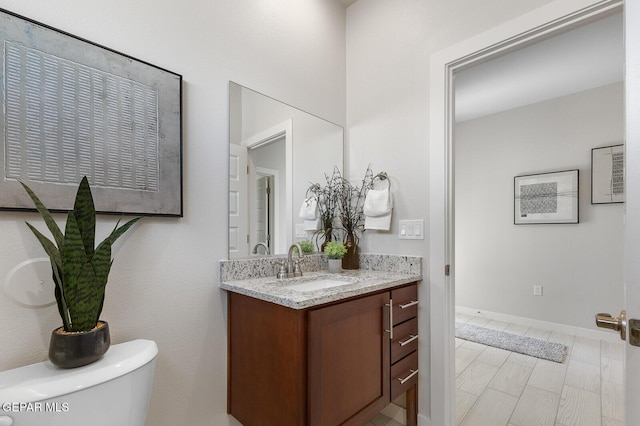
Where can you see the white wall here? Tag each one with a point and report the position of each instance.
(497, 262)
(388, 49)
(164, 281)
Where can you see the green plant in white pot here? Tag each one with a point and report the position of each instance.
(335, 251)
(306, 246)
(80, 273)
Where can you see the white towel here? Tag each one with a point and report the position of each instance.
(381, 222)
(309, 213)
(311, 225)
(309, 209)
(377, 203)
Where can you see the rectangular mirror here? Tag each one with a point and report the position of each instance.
(276, 152)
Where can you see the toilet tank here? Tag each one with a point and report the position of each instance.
(114, 390)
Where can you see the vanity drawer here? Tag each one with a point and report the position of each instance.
(405, 339)
(405, 303)
(404, 374)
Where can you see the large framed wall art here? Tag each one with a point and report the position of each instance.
(607, 175)
(73, 108)
(546, 198)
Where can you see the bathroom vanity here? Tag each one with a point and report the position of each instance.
(323, 349)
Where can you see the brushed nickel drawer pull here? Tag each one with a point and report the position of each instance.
(413, 373)
(411, 339)
(408, 305)
(390, 330)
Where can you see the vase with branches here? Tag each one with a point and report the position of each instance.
(327, 198)
(350, 211)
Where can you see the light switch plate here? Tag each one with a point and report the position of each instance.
(300, 232)
(411, 230)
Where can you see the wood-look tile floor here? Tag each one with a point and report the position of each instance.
(382, 420)
(495, 387)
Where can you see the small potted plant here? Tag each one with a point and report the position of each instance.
(334, 251)
(80, 274)
(306, 246)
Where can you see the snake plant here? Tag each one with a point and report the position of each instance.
(80, 271)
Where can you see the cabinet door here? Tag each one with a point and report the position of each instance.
(267, 363)
(349, 362)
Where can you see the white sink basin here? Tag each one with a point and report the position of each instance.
(319, 284)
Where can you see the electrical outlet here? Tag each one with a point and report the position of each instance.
(537, 290)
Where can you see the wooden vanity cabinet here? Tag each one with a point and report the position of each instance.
(324, 366)
(404, 347)
(349, 361)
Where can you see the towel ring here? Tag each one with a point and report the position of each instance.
(382, 176)
(314, 187)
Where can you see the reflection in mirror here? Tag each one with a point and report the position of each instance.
(275, 153)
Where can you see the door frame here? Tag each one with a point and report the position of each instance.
(275, 201)
(279, 131)
(526, 29)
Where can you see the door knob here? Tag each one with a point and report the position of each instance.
(604, 320)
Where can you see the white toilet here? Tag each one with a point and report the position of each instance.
(114, 390)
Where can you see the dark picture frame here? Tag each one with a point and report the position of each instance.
(607, 175)
(546, 198)
(74, 108)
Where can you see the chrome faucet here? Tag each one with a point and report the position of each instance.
(266, 248)
(290, 268)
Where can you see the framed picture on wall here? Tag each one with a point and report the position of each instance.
(73, 108)
(546, 198)
(607, 175)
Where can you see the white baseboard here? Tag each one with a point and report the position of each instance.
(544, 325)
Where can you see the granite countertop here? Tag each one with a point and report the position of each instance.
(379, 273)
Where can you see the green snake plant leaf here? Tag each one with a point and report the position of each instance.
(86, 300)
(48, 219)
(73, 261)
(60, 300)
(85, 214)
(56, 266)
(48, 246)
(117, 232)
(101, 264)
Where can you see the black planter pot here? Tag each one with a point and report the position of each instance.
(71, 350)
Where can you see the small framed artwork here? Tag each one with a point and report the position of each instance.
(546, 198)
(607, 175)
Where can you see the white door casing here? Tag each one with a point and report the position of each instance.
(284, 217)
(511, 35)
(632, 204)
(270, 210)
